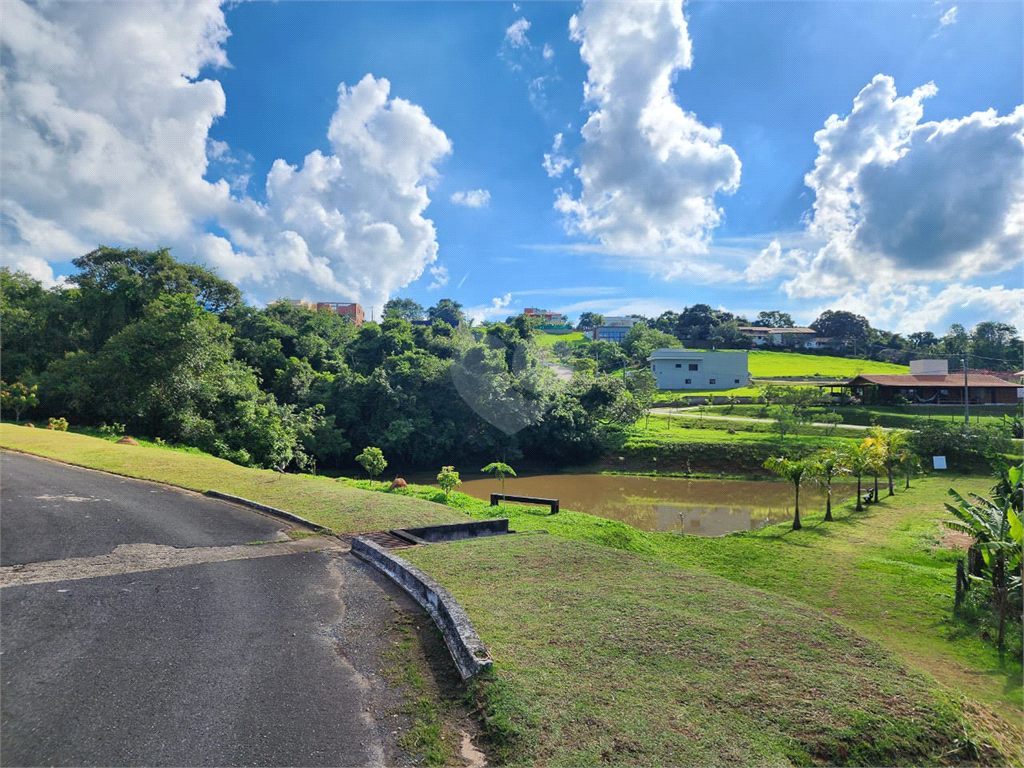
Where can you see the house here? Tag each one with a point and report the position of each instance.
(614, 329)
(806, 338)
(686, 369)
(933, 388)
(352, 311)
(549, 320)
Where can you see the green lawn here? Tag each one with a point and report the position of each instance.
(550, 339)
(609, 658)
(772, 364)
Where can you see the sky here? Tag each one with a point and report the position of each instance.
(627, 157)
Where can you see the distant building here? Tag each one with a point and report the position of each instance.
(548, 320)
(686, 369)
(352, 311)
(806, 338)
(614, 329)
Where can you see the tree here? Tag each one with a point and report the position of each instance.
(500, 470)
(17, 397)
(794, 471)
(447, 311)
(893, 443)
(448, 479)
(844, 326)
(826, 467)
(862, 459)
(372, 460)
(995, 526)
(590, 320)
(403, 309)
(774, 319)
(643, 385)
(641, 341)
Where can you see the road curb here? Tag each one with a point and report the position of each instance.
(269, 510)
(464, 644)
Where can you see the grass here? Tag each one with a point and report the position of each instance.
(769, 365)
(342, 508)
(550, 339)
(616, 645)
(618, 659)
(673, 396)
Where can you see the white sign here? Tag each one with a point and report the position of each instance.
(939, 462)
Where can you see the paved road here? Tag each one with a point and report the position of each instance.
(270, 660)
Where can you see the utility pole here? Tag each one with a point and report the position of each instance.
(967, 407)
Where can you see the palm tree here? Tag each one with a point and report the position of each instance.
(793, 471)
(881, 454)
(861, 459)
(826, 467)
(894, 441)
(995, 525)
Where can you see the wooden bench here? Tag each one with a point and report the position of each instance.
(552, 503)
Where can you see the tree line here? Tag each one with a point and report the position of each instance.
(171, 351)
(989, 345)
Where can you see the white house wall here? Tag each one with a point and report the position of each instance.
(700, 370)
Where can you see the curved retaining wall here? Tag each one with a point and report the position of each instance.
(464, 644)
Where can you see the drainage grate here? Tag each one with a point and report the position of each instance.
(386, 540)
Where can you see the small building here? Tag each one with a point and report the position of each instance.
(686, 369)
(354, 312)
(549, 320)
(933, 389)
(806, 338)
(614, 329)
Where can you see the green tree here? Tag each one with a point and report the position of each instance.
(862, 459)
(447, 311)
(18, 397)
(846, 327)
(590, 320)
(995, 526)
(774, 319)
(643, 385)
(372, 460)
(448, 479)
(794, 471)
(500, 471)
(894, 441)
(403, 309)
(825, 467)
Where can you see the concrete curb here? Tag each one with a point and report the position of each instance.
(464, 644)
(269, 510)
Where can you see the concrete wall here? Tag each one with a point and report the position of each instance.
(682, 369)
(464, 644)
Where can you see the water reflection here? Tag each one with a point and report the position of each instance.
(701, 507)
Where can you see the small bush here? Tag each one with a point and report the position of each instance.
(59, 425)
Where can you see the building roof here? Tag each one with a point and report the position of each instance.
(950, 380)
(763, 329)
(675, 353)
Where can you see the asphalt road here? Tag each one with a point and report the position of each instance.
(275, 659)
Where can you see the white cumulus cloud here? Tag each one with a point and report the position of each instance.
(900, 200)
(497, 309)
(440, 275)
(548, 52)
(474, 198)
(106, 140)
(949, 17)
(649, 171)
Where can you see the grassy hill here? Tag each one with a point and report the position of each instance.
(616, 646)
(770, 364)
(550, 339)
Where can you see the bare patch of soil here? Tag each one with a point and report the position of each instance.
(127, 441)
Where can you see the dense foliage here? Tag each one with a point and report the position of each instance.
(170, 350)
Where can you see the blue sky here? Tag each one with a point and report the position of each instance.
(629, 157)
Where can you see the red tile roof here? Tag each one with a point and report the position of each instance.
(950, 380)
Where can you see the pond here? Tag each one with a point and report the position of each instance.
(701, 507)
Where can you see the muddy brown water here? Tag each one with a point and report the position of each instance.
(701, 507)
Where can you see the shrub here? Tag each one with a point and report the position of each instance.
(448, 479)
(60, 425)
